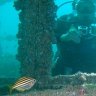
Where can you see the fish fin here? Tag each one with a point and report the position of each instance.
(20, 89)
(10, 89)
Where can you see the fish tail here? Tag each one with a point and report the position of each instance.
(10, 89)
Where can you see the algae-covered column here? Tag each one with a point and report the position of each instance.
(37, 20)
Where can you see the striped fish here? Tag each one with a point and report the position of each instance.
(23, 84)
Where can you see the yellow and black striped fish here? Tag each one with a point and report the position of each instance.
(23, 84)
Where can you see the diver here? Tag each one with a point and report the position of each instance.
(76, 40)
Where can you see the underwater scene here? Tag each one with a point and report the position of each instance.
(47, 48)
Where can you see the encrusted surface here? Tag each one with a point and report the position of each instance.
(37, 21)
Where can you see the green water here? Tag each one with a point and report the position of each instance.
(9, 67)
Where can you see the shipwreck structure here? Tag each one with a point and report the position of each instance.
(37, 22)
(36, 29)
